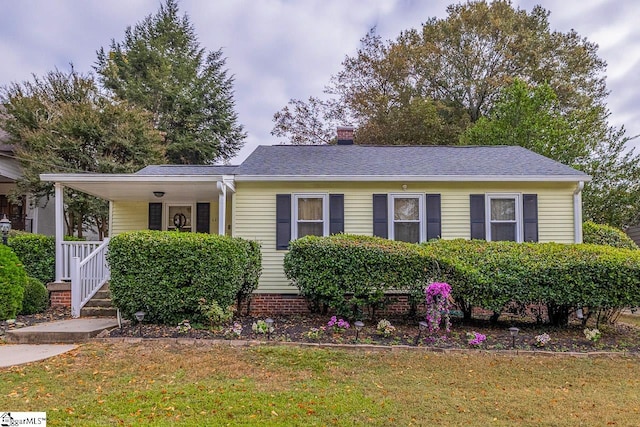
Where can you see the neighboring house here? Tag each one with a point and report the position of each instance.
(25, 214)
(411, 193)
(634, 233)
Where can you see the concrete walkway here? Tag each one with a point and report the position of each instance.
(11, 355)
(63, 331)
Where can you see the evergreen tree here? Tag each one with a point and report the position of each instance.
(161, 67)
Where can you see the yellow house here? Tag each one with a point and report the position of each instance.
(280, 193)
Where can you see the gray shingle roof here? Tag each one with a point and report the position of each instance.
(154, 170)
(426, 161)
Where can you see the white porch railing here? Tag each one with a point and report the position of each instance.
(88, 274)
(72, 249)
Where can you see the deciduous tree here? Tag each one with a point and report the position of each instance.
(433, 82)
(61, 122)
(531, 116)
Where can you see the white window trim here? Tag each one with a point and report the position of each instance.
(167, 220)
(519, 218)
(325, 212)
(421, 213)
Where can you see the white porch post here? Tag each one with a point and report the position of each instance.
(59, 208)
(222, 207)
(577, 213)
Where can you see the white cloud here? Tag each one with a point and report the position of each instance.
(281, 49)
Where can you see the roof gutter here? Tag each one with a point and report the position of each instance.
(577, 212)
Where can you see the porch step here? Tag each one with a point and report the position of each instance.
(98, 312)
(100, 305)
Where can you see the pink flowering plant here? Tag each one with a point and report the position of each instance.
(475, 339)
(338, 325)
(437, 299)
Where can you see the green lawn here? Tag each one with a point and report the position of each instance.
(156, 384)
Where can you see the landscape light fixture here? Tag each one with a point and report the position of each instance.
(5, 228)
(269, 322)
(514, 333)
(139, 317)
(422, 326)
(158, 194)
(359, 325)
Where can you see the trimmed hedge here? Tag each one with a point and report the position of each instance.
(600, 234)
(13, 280)
(564, 277)
(348, 273)
(325, 269)
(169, 274)
(36, 297)
(37, 253)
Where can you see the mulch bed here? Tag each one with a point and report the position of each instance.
(50, 315)
(619, 337)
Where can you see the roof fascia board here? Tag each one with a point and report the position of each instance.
(130, 178)
(417, 178)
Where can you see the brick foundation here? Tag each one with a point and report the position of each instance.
(285, 304)
(59, 294)
(272, 304)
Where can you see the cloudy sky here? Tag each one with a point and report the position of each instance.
(283, 49)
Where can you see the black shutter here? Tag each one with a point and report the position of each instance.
(202, 217)
(283, 221)
(530, 217)
(380, 223)
(477, 216)
(434, 220)
(155, 216)
(336, 213)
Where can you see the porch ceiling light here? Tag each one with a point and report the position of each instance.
(158, 194)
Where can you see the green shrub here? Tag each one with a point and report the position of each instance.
(215, 314)
(349, 273)
(36, 297)
(37, 253)
(600, 234)
(564, 277)
(13, 280)
(166, 274)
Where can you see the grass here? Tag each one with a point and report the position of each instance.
(166, 385)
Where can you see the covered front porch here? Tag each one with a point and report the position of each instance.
(188, 202)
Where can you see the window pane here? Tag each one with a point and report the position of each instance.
(503, 209)
(406, 231)
(504, 231)
(310, 229)
(310, 209)
(406, 209)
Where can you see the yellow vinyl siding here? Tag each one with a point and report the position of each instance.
(129, 216)
(254, 207)
(134, 216)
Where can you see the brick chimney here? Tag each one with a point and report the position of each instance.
(345, 135)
